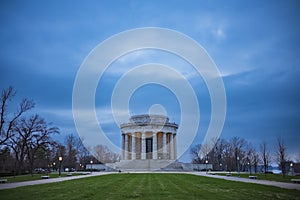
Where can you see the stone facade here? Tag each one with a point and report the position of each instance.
(149, 137)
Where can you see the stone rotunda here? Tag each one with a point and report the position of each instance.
(149, 137)
(149, 144)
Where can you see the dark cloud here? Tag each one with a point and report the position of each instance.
(263, 105)
(44, 43)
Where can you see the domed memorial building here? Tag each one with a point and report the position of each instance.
(150, 137)
(149, 144)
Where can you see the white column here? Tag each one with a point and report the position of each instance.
(133, 153)
(123, 147)
(143, 156)
(126, 146)
(175, 146)
(154, 148)
(164, 145)
(171, 147)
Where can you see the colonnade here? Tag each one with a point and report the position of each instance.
(149, 145)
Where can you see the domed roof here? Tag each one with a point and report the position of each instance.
(149, 118)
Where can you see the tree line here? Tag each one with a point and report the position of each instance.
(237, 154)
(27, 144)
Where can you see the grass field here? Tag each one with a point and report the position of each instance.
(148, 186)
(270, 177)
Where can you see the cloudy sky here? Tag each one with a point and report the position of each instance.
(254, 44)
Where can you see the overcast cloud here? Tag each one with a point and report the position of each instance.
(255, 45)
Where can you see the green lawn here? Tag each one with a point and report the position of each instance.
(270, 177)
(28, 177)
(148, 186)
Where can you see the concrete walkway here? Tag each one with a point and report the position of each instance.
(247, 180)
(229, 178)
(50, 180)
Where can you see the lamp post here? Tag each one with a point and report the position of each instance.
(54, 166)
(238, 165)
(291, 169)
(91, 166)
(206, 161)
(249, 168)
(59, 170)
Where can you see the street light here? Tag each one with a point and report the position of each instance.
(206, 165)
(249, 168)
(60, 160)
(238, 165)
(91, 166)
(291, 168)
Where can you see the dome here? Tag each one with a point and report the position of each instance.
(149, 119)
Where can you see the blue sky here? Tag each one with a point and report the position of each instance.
(255, 45)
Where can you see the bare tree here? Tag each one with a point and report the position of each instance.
(72, 150)
(40, 139)
(215, 155)
(30, 135)
(256, 160)
(83, 155)
(6, 160)
(238, 150)
(265, 155)
(229, 166)
(203, 152)
(18, 144)
(43, 156)
(232, 155)
(104, 155)
(281, 155)
(250, 156)
(7, 120)
(59, 151)
(194, 151)
(221, 153)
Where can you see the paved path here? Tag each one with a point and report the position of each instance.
(50, 180)
(230, 178)
(247, 180)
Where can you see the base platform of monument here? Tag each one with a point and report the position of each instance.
(142, 165)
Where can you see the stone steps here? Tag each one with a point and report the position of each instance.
(142, 165)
